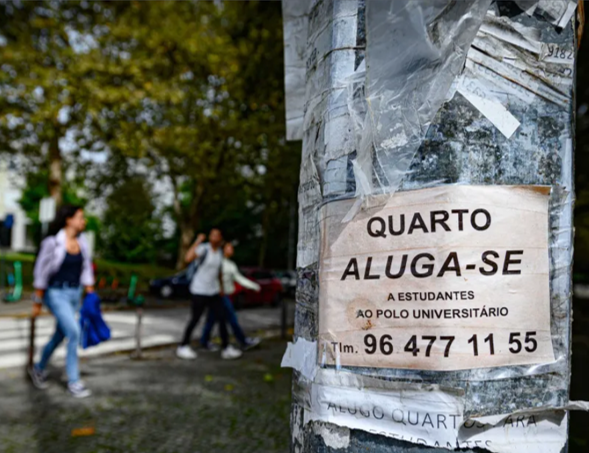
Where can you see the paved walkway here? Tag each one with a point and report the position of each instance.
(160, 405)
(160, 327)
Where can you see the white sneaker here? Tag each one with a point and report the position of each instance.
(38, 377)
(78, 390)
(186, 353)
(251, 343)
(230, 353)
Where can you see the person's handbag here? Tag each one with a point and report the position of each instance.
(93, 328)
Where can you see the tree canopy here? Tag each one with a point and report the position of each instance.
(186, 94)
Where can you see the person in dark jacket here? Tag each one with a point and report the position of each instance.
(62, 270)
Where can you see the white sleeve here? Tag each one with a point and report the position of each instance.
(246, 283)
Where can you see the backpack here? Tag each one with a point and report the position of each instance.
(195, 264)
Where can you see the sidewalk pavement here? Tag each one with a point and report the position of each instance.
(16, 309)
(160, 404)
(159, 327)
(23, 307)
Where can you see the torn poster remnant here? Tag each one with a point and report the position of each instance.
(302, 356)
(493, 110)
(296, 23)
(428, 415)
(412, 415)
(537, 432)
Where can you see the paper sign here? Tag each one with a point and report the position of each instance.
(449, 278)
(426, 418)
(434, 418)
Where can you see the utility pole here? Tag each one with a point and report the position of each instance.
(292, 215)
(437, 138)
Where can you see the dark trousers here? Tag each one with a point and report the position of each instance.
(215, 306)
(231, 317)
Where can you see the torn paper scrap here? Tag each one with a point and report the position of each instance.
(302, 356)
(493, 111)
(568, 15)
(577, 406)
(427, 418)
(569, 406)
(333, 436)
(296, 25)
(559, 12)
(533, 432)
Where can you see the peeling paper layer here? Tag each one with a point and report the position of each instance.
(302, 356)
(407, 412)
(540, 432)
(413, 56)
(493, 111)
(426, 415)
(333, 436)
(296, 21)
(570, 406)
(558, 12)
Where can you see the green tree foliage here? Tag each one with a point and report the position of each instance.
(46, 49)
(190, 93)
(203, 105)
(131, 229)
(37, 188)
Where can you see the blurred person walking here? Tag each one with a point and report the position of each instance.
(207, 292)
(62, 269)
(231, 275)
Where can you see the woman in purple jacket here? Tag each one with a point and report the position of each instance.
(62, 270)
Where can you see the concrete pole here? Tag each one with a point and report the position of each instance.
(137, 354)
(404, 96)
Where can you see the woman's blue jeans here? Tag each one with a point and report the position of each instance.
(64, 304)
(231, 319)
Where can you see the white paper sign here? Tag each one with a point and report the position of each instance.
(434, 418)
(449, 278)
(426, 418)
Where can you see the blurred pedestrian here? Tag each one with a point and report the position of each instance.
(231, 275)
(207, 291)
(62, 270)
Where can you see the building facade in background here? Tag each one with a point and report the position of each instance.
(10, 194)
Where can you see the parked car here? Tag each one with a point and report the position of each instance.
(270, 292)
(176, 286)
(289, 282)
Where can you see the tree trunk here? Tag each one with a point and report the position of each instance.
(55, 170)
(186, 223)
(187, 232)
(264, 244)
